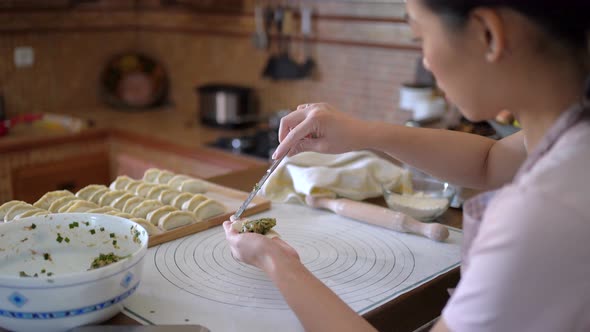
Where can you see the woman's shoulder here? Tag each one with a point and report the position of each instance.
(528, 243)
(538, 204)
(561, 175)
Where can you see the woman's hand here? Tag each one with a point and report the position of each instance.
(320, 128)
(256, 249)
(316, 306)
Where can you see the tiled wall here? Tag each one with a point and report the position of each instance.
(362, 51)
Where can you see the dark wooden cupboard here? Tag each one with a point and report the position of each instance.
(29, 183)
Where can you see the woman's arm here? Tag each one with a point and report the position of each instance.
(316, 306)
(464, 159)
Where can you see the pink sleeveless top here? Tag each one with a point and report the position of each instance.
(525, 256)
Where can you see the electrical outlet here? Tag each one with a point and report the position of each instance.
(24, 56)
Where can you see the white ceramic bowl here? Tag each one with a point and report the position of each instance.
(65, 294)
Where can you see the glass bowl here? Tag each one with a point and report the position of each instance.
(426, 200)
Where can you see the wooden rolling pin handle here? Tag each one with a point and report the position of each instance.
(380, 216)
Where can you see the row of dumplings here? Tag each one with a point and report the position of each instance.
(158, 207)
(179, 182)
(186, 197)
(63, 201)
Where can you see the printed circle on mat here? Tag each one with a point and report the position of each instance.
(346, 257)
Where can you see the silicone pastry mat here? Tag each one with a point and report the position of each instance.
(195, 280)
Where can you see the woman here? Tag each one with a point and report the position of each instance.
(526, 264)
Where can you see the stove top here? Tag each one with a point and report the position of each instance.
(260, 144)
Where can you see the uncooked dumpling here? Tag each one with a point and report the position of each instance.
(143, 189)
(29, 213)
(176, 219)
(132, 186)
(87, 192)
(192, 203)
(176, 180)
(164, 177)
(60, 202)
(154, 216)
(208, 209)
(110, 196)
(81, 206)
(17, 209)
(123, 215)
(119, 203)
(145, 207)
(120, 183)
(194, 186)
(151, 175)
(179, 200)
(154, 193)
(150, 229)
(111, 213)
(41, 213)
(50, 197)
(103, 209)
(64, 208)
(167, 195)
(4, 208)
(95, 198)
(131, 203)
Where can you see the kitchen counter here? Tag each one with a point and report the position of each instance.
(128, 143)
(165, 125)
(404, 313)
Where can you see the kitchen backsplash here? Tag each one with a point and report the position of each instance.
(363, 54)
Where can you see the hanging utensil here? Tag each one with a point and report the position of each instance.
(282, 66)
(268, 19)
(259, 39)
(309, 63)
(277, 20)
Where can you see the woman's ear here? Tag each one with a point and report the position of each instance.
(491, 31)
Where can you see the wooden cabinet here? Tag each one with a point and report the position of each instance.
(29, 183)
(208, 5)
(34, 167)
(134, 166)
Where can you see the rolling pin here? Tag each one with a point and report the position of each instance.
(380, 216)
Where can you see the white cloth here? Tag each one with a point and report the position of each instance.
(355, 175)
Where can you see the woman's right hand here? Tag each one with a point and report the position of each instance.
(256, 249)
(320, 128)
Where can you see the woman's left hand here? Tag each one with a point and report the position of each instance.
(256, 249)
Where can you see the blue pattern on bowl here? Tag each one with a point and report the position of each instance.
(67, 313)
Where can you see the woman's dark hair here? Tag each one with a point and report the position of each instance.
(567, 20)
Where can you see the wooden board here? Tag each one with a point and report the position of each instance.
(258, 204)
